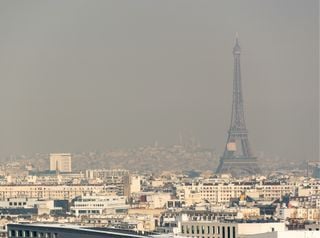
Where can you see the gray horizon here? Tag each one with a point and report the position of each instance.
(83, 75)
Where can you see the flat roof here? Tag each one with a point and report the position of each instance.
(119, 232)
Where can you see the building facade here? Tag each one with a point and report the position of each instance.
(58, 192)
(216, 229)
(60, 162)
(98, 205)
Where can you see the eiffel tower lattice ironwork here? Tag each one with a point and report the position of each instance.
(237, 158)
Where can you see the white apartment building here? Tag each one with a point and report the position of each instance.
(216, 229)
(67, 192)
(60, 162)
(220, 193)
(43, 206)
(215, 193)
(106, 173)
(26, 203)
(98, 204)
(274, 191)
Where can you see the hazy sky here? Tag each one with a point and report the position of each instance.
(84, 75)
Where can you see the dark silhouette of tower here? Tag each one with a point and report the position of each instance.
(237, 158)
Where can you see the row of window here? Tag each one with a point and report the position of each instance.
(89, 205)
(17, 203)
(27, 233)
(88, 212)
(196, 229)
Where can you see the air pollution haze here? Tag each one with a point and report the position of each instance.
(78, 76)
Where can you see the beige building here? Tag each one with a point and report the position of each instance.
(310, 214)
(310, 189)
(215, 193)
(221, 193)
(60, 162)
(132, 184)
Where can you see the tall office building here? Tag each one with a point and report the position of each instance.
(60, 162)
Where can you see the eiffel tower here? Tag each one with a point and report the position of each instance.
(237, 158)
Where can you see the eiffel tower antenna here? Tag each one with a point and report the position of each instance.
(237, 37)
(237, 158)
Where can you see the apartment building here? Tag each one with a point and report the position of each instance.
(58, 192)
(222, 192)
(98, 204)
(225, 229)
(60, 162)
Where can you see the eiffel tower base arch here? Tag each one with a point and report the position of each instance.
(238, 167)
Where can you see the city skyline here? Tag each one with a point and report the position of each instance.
(168, 118)
(78, 83)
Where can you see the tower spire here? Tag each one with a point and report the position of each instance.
(236, 48)
(237, 38)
